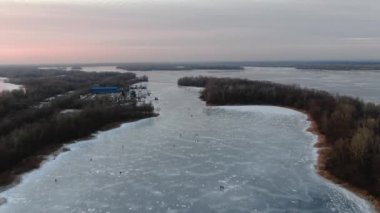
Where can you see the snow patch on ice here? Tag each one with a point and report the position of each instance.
(261, 109)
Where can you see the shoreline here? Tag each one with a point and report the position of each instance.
(12, 177)
(323, 150)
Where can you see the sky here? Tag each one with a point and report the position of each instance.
(98, 31)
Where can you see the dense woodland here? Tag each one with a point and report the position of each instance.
(351, 126)
(26, 130)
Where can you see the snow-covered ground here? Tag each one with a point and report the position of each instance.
(7, 86)
(261, 109)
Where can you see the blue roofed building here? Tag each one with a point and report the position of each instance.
(105, 90)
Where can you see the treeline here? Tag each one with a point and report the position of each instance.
(199, 81)
(30, 114)
(26, 128)
(28, 139)
(351, 126)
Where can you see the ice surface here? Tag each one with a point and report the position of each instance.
(192, 158)
(102, 69)
(261, 109)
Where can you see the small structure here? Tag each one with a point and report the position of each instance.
(105, 90)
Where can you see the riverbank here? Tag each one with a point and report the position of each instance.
(56, 111)
(9, 179)
(12, 177)
(323, 151)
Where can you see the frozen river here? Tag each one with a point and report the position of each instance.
(195, 158)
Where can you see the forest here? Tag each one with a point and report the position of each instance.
(351, 126)
(27, 130)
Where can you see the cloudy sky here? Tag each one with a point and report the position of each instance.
(75, 31)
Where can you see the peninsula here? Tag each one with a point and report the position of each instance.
(349, 128)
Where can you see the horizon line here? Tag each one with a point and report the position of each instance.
(188, 62)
